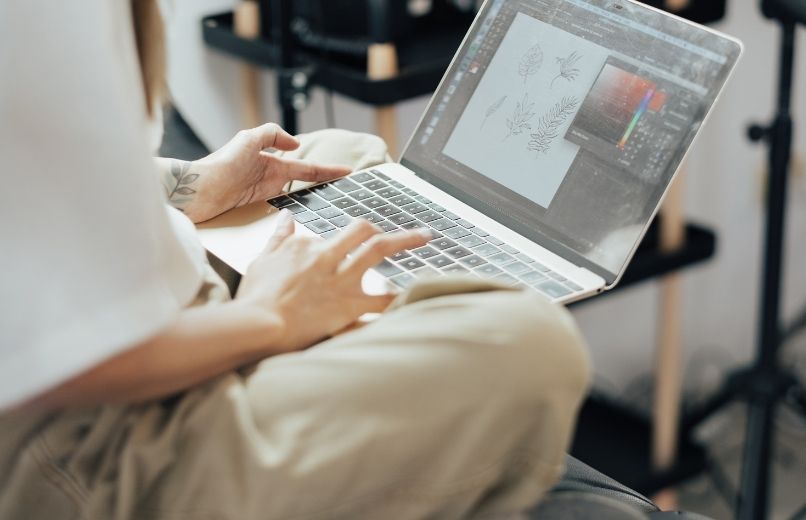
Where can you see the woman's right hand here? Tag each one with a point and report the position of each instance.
(312, 285)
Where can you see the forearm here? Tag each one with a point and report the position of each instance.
(202, 343)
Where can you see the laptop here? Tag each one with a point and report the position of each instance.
(541, 159)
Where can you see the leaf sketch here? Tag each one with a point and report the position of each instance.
(568, 70)
(492, 110)
(530, 62)
(548, 128)
(523, 113)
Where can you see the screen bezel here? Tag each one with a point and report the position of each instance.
(554, 245)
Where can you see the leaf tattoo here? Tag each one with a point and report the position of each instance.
(568, 70)
(492, 110)
(178, 183)
(524, 111)
(548, 128)
(530, 62)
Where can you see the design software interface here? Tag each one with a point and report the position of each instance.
(569, 117)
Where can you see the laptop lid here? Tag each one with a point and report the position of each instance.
(566, 120)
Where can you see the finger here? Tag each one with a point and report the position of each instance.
(376, 303)
(353, 236)
(284, 229)
(381, 246)
(300, 170)
(271, 135)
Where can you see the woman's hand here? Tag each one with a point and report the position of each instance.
(313, 286)
(240, 172)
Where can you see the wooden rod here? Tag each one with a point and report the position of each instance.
(247, 25)
(382, 64)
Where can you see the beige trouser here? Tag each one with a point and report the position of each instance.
(459, 402)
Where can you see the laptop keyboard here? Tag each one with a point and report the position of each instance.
(458, 246)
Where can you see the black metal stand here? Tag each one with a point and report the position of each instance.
(764, 383)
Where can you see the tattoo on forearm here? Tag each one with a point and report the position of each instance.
(178, 182)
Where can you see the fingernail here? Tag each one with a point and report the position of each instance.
(425, 233)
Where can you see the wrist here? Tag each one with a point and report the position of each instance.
(262, 329)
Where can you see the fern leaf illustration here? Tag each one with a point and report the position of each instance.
(530, 62)
(519, 121)
(492, 110)
(568, 70)
(548, 127)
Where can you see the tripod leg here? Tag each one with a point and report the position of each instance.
(755, 465)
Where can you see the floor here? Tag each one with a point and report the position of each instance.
(708, 494)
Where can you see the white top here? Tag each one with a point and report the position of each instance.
(90, 259)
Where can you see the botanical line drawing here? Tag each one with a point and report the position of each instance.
(530, 62)
(568, 70)
(548, 128)
(492, 110)
(523, 113)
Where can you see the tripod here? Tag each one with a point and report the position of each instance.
(765, 383)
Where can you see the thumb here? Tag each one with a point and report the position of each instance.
(376, 303)
(284, 229)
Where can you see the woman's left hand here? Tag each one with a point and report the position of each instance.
(241, 172)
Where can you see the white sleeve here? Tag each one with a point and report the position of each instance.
(89, 261)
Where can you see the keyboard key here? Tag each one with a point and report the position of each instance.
(470, 240)
(295, 207)
(362, 194)
(309, 200)
(456, 232)
(341, 221)
(327, 192)
(345, 185)
(556, 276)
(305, 216)
(440, 261)
(500, 259)
(525, 258)
(423, 200)
(489, 270)
(280, 202)
(400, 255)
(414, 224)
(381, 175)
(372, 217)
(457, 252)
(401, 200)
(443, 243)
(571, 285)
(344, 203)
(401, 218)
(473, 261)
(553, 289)
(411, 263)
(509, 249)
(506, 279)
(320, 226)
(426, 272)
(480, 232)
(486, 249)
(495, 240)
(416, 208)
(374, 202)
(362, 177)
(452, 216)
(356, 211)
(441, 224)
(533, 277)
(409, 191)
(465, 224)
(387, 226)
(455, 269)
(388, 193)
(428, 215)
(396, 184)
(436, 207)
(425, 252)
(330, 234)
(516, 268)
(403, 280)
(387, 268)
(376, 185)
(540, 267)
(329, 212)
(387, 210)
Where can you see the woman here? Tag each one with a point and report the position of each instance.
(132, 386)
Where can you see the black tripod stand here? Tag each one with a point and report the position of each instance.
(765, 382)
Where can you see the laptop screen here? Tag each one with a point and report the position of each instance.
(566, 119)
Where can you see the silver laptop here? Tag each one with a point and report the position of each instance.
(542, 157)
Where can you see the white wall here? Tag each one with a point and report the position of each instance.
(723, 190)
